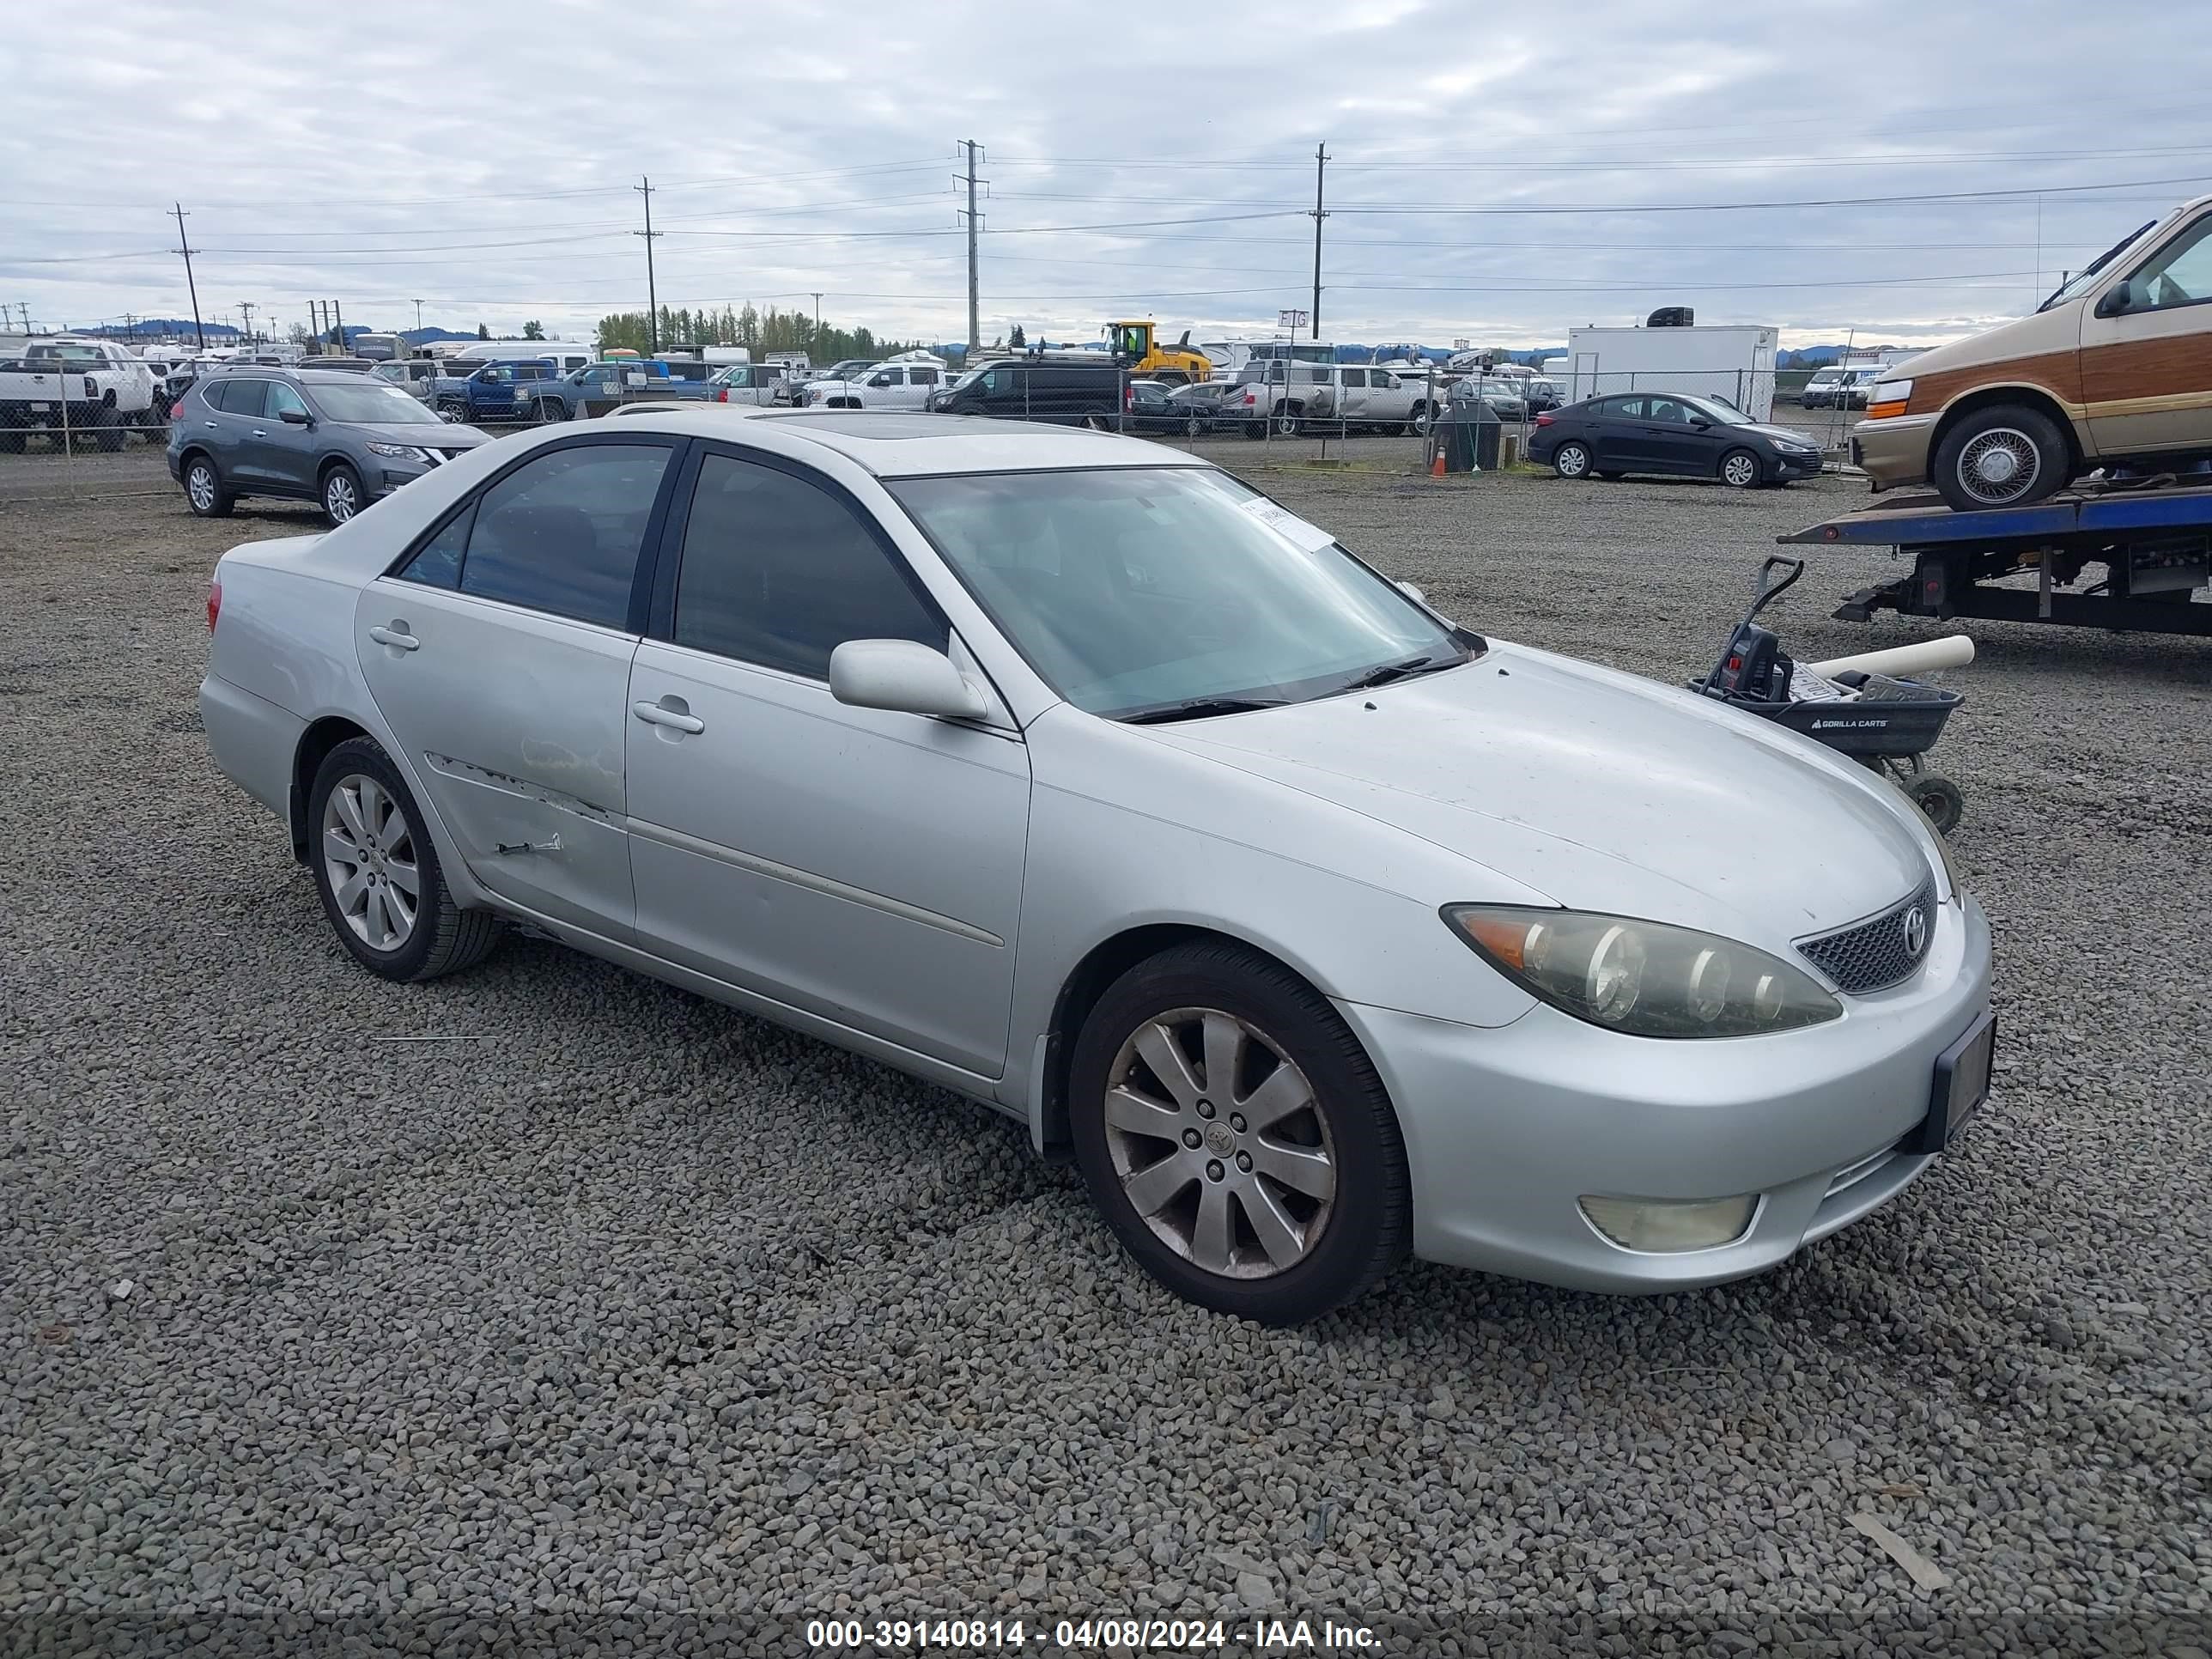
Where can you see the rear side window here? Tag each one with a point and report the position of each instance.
(245, 398)
(779, 571)
(559, 533)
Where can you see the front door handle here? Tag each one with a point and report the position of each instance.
(396, 636)
(669, 711)
(259, 433)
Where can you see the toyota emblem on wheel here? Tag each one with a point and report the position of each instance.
(1916, 931)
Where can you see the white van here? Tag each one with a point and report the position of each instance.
(564, 353)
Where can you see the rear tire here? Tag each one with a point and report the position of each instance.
(1288, 417)
(365, 846)
(1571, 460)
(205, 490)
(2007, 455)
(1302, 1209)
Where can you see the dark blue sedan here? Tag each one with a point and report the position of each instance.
(1671, 434)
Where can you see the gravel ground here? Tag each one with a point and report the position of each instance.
(624, 1313)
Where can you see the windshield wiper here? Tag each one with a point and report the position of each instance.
(1400, 671)
(1198, 708)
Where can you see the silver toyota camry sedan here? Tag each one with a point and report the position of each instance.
(1069, 772)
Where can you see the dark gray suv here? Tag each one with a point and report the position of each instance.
(309, 434)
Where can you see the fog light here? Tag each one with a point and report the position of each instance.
(1660, 1224)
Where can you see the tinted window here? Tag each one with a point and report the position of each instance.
(779, 571)
(561, 533)
(1625, 409)
(437, 564)
(1666, 411)
(1354, 376)
(925, 376)
(245, 398)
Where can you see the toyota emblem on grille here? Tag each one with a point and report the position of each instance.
(1916, 931)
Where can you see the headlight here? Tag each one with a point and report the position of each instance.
(401, 451)
(1888, 397)
(1646, 978)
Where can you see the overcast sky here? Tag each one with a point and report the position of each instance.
(1496, 173)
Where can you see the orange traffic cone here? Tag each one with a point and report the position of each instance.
(1437, 466)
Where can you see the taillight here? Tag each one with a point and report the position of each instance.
(723, 395)
(1129, 398)
(1543, 420)
(214, 603)
(91, 386)
(177, 409)
(1251, 399)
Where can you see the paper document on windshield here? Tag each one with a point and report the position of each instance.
(1306, 537)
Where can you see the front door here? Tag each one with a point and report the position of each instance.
(860, 864)
(275, 452)
(2147, 371)
(1676, 443)
(499, 655)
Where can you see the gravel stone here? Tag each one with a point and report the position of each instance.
(635, 1325)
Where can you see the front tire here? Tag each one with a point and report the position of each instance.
(1740, 469)
(2007, 455)
(344, 497)
(1571, 460)
(204, 492)
(1236, 1137)
(452, 414)
(377, 872)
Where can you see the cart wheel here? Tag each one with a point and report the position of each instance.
(1939, 798)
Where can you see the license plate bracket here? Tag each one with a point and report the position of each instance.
(1961, 1084)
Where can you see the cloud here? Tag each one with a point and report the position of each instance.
(1491, 176)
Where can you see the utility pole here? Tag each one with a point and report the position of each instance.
(1321, 165)
(184, 247)
(818, 319)
(418, 319)
(245, 310)
(974, 330)
(644, 187)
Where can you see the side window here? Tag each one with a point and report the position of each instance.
(1354, 376)
(282, 398)
(778, 572)
(997, 380)
(212, 392)
(2180, 275)
(1625, 409)
(437, 562)
(1667, 412)
(925, 376)
(245, 398)
(561, 533)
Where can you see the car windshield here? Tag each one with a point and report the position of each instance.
(370, 403)
(2073, 286)
(1136, 590)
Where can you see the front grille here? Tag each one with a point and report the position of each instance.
(1873, 955)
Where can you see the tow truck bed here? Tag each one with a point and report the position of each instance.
(2154, 541)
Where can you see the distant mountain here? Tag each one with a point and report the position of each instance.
(155, 328)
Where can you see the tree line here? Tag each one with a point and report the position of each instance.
(757, 331)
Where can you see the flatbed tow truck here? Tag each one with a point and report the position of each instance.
(2153, 537)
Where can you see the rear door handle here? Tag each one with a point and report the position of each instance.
(397, 637)
(662, 714)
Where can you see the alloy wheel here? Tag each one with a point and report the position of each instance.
(341, 501)
(1740, 470)
(1572, 461)
(199, 486)
(1220, 1144)
(368, 859)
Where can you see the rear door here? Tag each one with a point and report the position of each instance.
(1615, 437)
(862, 864)
(235, 426)
(499, 653)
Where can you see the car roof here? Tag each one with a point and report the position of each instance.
(906, 444)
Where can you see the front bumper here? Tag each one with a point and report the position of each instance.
(1507, 1129)
(1893, 451)
(1797, 466)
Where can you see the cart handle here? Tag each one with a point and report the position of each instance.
(1768, 595)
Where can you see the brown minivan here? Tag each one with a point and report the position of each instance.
(2114, 367)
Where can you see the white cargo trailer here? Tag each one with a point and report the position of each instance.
(1708, 360)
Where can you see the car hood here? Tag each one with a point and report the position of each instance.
(1780, 435)
(422, 433)
(1601, 790)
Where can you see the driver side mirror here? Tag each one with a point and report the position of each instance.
(296, 417)
(904, 677)
(1701, 424)
(2116, 299)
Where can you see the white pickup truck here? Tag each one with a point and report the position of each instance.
(106, 391)
(1325, 397)
(889, 386)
